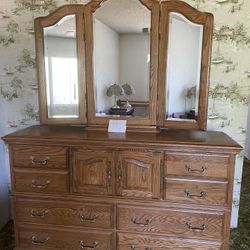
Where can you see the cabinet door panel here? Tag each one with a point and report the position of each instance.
(139, 174)
(93, 171)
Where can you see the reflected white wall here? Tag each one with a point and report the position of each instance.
(184, 62)
(106, 63)
(135, 64)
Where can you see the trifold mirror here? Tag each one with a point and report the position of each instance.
(121, 59)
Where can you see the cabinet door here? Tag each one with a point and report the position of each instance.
(139, 174)
(93, 171)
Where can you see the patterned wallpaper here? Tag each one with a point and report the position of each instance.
(230, 68)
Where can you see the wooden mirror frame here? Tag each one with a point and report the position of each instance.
(195, 16)
(40, 24)
(136, 122)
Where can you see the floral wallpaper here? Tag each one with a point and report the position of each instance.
(230, 67)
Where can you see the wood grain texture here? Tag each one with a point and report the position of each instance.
(197, 165)
(93, 172)
(136, 172)
(170, 222)
(196, 191)
(40, 181)
(193, 141)
(195, 16)
(44, 211)
(142, 242)
(58, 238)
(40, 157)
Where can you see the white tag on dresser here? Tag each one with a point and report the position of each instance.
(117, 126)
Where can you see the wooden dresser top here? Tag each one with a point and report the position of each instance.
(71, 135)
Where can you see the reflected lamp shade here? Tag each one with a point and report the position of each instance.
(115, 90)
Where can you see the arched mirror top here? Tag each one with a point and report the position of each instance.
(185, 49)
(123, 53)
(60, 62)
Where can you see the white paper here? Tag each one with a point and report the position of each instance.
(117, 126)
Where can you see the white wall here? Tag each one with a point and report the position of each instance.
(183, 64)
(134, 64)
(106, 63)
(247, 146)
(60, 47)
(4, 175)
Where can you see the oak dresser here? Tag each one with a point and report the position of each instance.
(74, 188)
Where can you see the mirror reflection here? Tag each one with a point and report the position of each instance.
(183, 70)
(122, 58)
(61, 68)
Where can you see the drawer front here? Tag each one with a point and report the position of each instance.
(173, 222)
(145, 242)
(41, 181)
(44, 238)
(40, 157)
(212, 166)
(64, 213)
(193, 191)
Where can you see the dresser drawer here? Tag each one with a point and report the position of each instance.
(65, 213)
(146, 242)
(200, 165)
(40, 181)
(196, 191)
(50, 238)
(173, 222)
(40, 156)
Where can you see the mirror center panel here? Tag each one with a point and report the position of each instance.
(121, 58)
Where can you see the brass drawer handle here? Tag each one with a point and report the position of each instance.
(197, 229)
(146, 223)
(201, 195)
(109, 173)
(91, 219)
(36, 162)
(35, 241)
(88, 247)
(197, 171)
(132, 247)
(119, 171)
(36, 214)
(35, 185)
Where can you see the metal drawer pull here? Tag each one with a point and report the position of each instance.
(35, 213)
(35, 185)
(109, 173)
(197, 171)
(35, 241)
(36, 162)
(119, 171)
(88, 247)
(91, 219)
(201, 195)
(147, 222)
(132, 247)
(197, 229)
